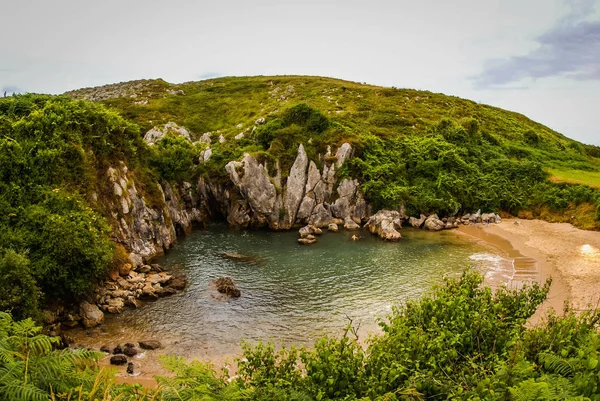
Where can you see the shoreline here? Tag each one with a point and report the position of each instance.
(567, 254)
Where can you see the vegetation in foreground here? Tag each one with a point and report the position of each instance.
(461, 342)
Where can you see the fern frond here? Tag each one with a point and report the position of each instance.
(555, 364)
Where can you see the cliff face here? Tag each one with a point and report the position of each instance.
(252, 198)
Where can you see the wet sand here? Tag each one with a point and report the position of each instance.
(569, 255)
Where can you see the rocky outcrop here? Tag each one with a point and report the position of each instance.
(254, 184)
(386, 224)
(433, 223)
(296, 183)
(158, 133)
(417, 223)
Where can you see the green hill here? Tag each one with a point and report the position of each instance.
(429, 151)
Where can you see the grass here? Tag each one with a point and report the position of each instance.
(590, 178)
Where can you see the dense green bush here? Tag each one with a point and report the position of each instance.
(20, 292)
(51, 152)
(175, 158)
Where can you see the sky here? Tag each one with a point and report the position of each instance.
(537, 57)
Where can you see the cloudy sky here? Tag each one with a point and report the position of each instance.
(537, 57)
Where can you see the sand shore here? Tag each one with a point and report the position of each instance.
(569, 255)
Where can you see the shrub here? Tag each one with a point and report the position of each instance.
(20, 293)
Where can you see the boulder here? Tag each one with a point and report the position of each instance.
(106, 348)
(417, 223)
(343, 153)
(150, 344)
(118, 360)
(385, 223)
(350, 224)
(136, 260)
(118, 350)
(130, 350)
(321, 216)
(333, 227)
(225, 285)
(309, 239)
(125, 269)
(178, 282)
(90, 314)
(433, 223)
(309, 230)
(130, 368)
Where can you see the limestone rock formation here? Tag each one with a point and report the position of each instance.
(433, 223)
(386, 224)
(157, 133)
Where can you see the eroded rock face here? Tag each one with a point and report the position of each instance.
(254, 184)
(294, 193)
(386, 224)
(417, 223)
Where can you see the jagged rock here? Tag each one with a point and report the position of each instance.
(91, 315)
(156, 134)
(239, 136)
(309, 239)
(385, 223)
(205, 155)
(222, 139)
(260, 121)
(321, 216)
(225, 285)
(417, 223)
(150, 344)
(343, 153)
(295, 188)
(344, 205)
(350, 224)
(255, 186)
(306, 208)
(136, 260)
(118, 360)
(205, 138)
(333, 227)
(433, 223)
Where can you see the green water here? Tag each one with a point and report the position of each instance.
(292, 293)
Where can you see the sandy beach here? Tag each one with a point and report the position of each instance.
(567, 254)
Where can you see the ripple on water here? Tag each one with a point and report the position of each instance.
(293, 293)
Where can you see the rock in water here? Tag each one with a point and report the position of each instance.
(385, 223)
(150, 344)
(118, 350)
(239, 257)
(309, 239)
(350, 224)
(130, 368)
(333, 227)
(118, 360)
(130, 350)
(225, 285)
(91, 315)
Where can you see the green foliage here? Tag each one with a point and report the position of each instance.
(32, 370)
(21, 294)
(174, 157)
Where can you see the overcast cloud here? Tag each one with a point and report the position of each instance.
(537, 57)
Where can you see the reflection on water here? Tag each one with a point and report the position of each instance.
(291, 293)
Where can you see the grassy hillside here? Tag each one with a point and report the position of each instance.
(428, 151)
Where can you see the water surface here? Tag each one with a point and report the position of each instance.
(291, 294)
